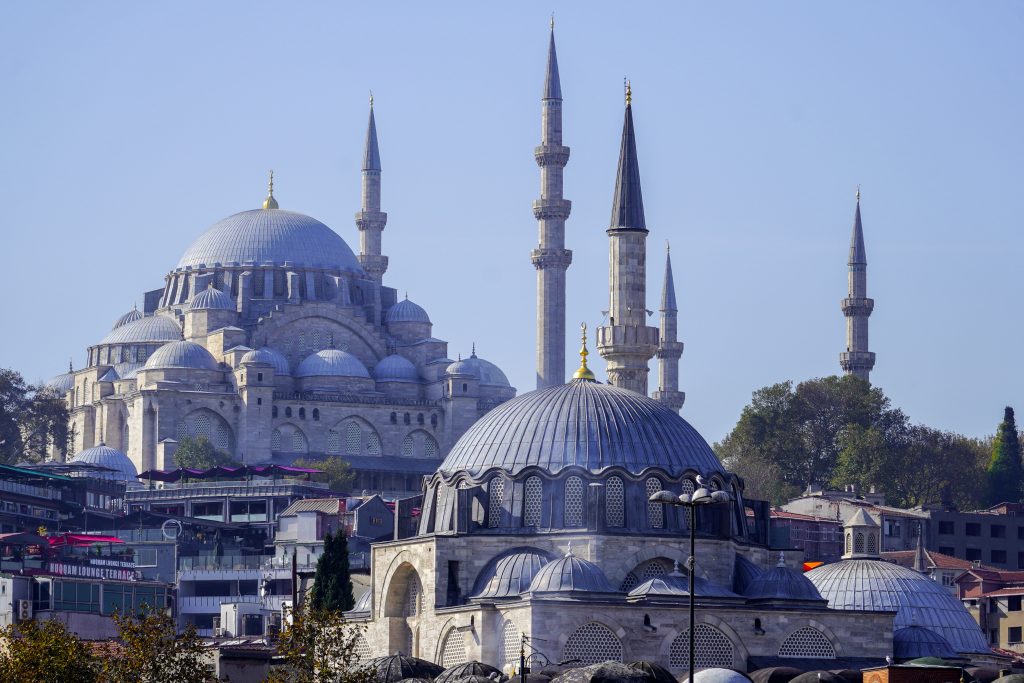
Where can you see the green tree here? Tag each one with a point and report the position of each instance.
(153, 652)
(338, 473)
(200, 454)
(332, 583)
(1005, 473)
(31, 418)
(319, 646)
(44, 652)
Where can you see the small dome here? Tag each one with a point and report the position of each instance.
(718, 676)
(62, 384)
(677, 584)
(570, 574)
(511, 575)
(128, 370)
(211, 298)
(332, 363)
(463, 673)
(485, 371)
(151, 328)
(395, 368)
(916, 641)
(875, 585)
(362, 604)
(129, 317)
(111, 458)
(267, 356)
(406, 311)
(782, 583)
(182, 354)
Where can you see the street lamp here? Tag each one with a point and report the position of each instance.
(702, 496)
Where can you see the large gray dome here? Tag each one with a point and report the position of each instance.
(182, 354)
(270, 235)
(151, 328)
(585, 424)
(111, 458)
(879, 586)
(510, 575)
(331, 363)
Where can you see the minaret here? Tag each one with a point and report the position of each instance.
(857, 307)
(669, 348)
(551, 258)
(371, 220)
(627, 343)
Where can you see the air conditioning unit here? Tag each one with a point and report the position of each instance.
(24, 610)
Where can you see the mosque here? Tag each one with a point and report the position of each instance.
(532, 515)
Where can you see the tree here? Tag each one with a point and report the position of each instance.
(319, 646)
(332, 583)
(44, 652)
(31, 418)
(153, 652)
(1005, 473)
(338, 473)
(200, 454)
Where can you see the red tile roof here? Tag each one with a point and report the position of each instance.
(1010, 590)
(938, 560)
(783, 514)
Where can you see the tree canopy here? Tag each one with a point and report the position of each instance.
(1005, 475)
(332, 583)
(31, 418)
(151, 651)
(338, 473)
(319, 646)
(45, 652)
(198, 453)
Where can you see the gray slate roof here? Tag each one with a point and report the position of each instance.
(371, 154)
(111, 458)
(332, 363)
(182, 354)
(858, 254)
(552, 84)
(152, 328)
(628, 201)
(510, 575)
(570, 574)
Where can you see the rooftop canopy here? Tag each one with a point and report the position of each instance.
(227, 472)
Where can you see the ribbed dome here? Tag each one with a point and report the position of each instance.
(487, 372)
(332, 363)
(111, 458)
(916, 641)
(263, 235)
(570, 574)
(362, 604)
(875, 585)
(718, 676)
(129, 317)
(211, 298)
(782, 583)
(677, 584)
(182, 354)
(61, 384)
(406, 311)
(583, 423)
(395, 368)
(509, 576)
(151, 328)
(267, 355)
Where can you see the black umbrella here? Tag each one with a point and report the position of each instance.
(983, 675)
(394, 668)
(775, 674)
(657, 672)
(605, 672)
(849, 675)
(468, 669)
(817, 677)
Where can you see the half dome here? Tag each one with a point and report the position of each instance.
(395, 368)
(61, 384)
(129, 317)
(875, 585)
(916, 641)
(510, 576)
(485, 371)
(782, 583)
(570, 574)
(268, 356)
(211, 298)
(111, 458)
(332, 363)
(406, 311)
(151, 328)
(182, 354)
(270, 236)
(584, 424)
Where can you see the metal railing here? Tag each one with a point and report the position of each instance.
(29, 490)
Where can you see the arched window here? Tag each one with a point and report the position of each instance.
(405, 418)
(645, 571)
(333, 441)
(298, 442)
(302, 413)
(453, 651)
(407, 449)
(614, 503)
(181, 430)
(201, 426)
(413, 595)
(687, 487)
(532, 493)
(573, 502)
(373, 444)
(858, 543)
(872, 544)
(592, 643)
(713, 649)
(419, 418)
(361, 650)
(655, 511)
(222, 440)
(394, 418)
(316, 418)
(433, 420)
(429, 446)
(273, 412)
(353, 438)
(808, 643)
(849, 542)
(275, 440)
(288, 411)
(511, 640)
(494, 503)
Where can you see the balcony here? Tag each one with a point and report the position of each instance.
(210, 604)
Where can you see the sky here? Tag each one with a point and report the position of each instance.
(128, 128)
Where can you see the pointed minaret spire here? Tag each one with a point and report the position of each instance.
(857, 307)
(627, 343)
(371, 220)
(670, 350)
(551, 258)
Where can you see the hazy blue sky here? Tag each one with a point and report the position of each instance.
(127, 128)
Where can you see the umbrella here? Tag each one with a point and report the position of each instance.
(394, 668)
(982, 675)
(476, 678)
(657, 672)
(468, 669)
(849, 675)
(605, 672)
(775, 674)
(717, 676)
(818, 676)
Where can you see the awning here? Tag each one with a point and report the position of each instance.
(80, 540)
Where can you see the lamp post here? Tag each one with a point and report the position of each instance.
(701, 497)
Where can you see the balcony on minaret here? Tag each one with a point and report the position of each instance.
(551, 209)
(551, 258)
(852, 361)
(857, 306)
(632, 339)
(551, 155)
(369, 220)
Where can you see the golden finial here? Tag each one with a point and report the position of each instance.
(270, 202)
(584, 372)
(858, 193)
(629, 93)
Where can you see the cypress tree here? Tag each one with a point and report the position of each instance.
(332, 583)
(1005, 471)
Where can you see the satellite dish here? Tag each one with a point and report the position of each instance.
(171, 529)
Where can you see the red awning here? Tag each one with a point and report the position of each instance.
(78, 540)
